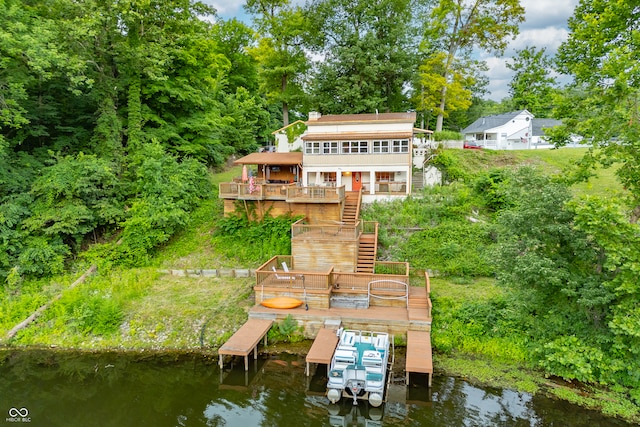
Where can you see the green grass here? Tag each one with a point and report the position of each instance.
(603, 184)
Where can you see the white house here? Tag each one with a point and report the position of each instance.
(509, 131)
(368, 152)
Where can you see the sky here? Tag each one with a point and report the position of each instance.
(545, 26)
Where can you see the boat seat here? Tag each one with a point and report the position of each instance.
(349, 339)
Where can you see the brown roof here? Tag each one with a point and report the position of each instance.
(268, 158)
(356, 136)
(363, 118)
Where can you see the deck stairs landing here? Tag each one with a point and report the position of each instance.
(350, 212)
(366, 253)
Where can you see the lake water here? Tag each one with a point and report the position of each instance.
(49, 388)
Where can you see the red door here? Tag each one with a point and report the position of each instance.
(356, 181)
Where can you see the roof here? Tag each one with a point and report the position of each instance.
(419, 130)
(355, 136)
(409, 117)
(490, 122)
(539, 124)
(267, 158)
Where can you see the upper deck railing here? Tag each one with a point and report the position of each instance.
(287, 192)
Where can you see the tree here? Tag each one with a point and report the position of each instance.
(603, 104)
(367, 52)
(280, 52)
(463, 80)
(532, 86)
(457, 26)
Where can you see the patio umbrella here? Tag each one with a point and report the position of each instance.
(318, 178)
(245, 175)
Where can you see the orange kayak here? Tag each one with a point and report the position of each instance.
(282, 302)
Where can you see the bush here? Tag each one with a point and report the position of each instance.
(447, 135)
(454, 248)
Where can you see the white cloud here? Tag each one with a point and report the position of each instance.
(545, 27)
(547, 13)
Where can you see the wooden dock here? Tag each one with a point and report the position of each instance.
(419, 358)
(322, 348)
(245, 340)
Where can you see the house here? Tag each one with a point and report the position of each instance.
(371, 153)
(538, 138)
(508, 131)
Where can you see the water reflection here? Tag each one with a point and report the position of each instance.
(110, 389)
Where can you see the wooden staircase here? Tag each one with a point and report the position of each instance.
(350, 212)
(418, 298)
(366, 253)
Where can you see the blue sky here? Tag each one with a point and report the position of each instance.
(545, 26)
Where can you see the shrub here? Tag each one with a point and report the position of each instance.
(447, 135)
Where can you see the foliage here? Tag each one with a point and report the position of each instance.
(368, 55)
(166, 191)
(280, 52)
(287, 330)
(438, 77)
(447, 135)
(532, 86)
(452, 248)
(602, 104)
(239, 238)
(450, 166)
(455, 27)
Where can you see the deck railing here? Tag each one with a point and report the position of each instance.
(316, 194)
(299, 279)
(326, 229)
(289, 192)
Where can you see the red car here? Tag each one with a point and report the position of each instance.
(472, 145)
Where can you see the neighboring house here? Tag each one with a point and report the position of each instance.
(368, 152)
(288, 137)
(538, 136)
(509, 131)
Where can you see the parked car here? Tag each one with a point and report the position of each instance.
(472, 145)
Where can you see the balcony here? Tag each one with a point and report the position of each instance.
(290, 193)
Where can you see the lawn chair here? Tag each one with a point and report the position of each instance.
(280, 277)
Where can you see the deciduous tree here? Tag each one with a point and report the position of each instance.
(455, 27)
(368, 55)
(532, 85)
(603, 105)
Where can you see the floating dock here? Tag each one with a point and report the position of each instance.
(322, 348)
(419, 358)
(246, 340)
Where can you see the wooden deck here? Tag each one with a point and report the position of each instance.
(419, 358)
(322, 349)
(245, 340)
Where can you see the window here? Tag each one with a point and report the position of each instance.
(353, 147)
(401, 146)
(385, 176)
(312, 148)
(381, 146)
(329, 177)
(330, 147)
